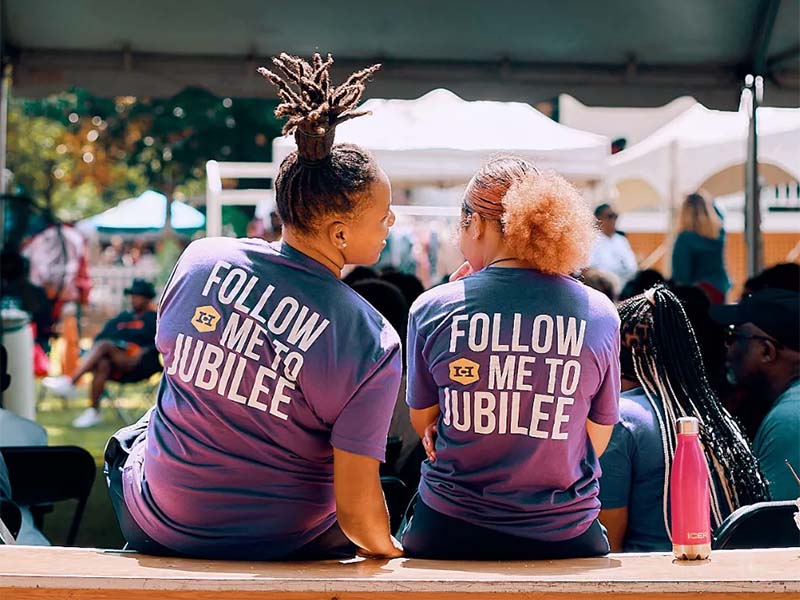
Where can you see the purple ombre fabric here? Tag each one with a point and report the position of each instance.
(269, 363)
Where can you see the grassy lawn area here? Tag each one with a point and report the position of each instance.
(99, 525)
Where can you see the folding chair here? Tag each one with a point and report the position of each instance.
(43, 475)
(760, 525)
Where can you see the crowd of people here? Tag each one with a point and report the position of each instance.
(532, 414)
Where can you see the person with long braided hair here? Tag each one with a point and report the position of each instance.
(663, 378)
(280, 380)
(514, 369)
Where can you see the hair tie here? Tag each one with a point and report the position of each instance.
(314, 149)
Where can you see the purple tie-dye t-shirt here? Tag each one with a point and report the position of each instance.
(517, 361)
(270, 362)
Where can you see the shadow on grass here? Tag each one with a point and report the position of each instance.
(99, 527)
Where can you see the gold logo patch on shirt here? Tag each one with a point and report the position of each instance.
(464, 371)
(205, 319)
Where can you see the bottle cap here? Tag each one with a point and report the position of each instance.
(688, 425)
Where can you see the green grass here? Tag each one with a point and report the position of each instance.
(99, 525)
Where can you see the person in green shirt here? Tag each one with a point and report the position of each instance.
(764, 359)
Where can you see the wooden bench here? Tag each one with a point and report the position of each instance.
(87, 574)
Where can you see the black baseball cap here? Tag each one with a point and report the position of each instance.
(141, 287)
(776, 312)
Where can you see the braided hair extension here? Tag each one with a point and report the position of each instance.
(319, 178)
(662, 354)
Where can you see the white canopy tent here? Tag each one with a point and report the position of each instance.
(438, 139)
(703, 148)
(632, 123)
(441, 139)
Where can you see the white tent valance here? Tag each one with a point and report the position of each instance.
(440, 138)
(707, 148)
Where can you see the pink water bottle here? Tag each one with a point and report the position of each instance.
(689, 495)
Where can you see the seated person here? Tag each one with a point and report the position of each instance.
(18, 431)
(123, 351)
(764, 361)
(389, 301)
(266, 439)
(663, 378)
(514, 369)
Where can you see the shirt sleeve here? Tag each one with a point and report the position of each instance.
(617, 468)
(421, 389)
(777, 441)
(605, 404)
(363, 424)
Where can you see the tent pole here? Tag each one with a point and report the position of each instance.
(752, 209)
(674, 207)
(5, 89)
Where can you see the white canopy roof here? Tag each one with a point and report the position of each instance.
(707, 148)
(633, 124)
(441, 139)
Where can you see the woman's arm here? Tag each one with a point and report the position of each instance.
(360, 505)
(421, 418)
(615, 520)
(599, 436)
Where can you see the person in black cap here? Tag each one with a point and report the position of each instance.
(764, 360)
(123, 351)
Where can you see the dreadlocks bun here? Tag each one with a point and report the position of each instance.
(313, 108)
(547, 223)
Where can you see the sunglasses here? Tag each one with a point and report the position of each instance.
(610, 216)
(732, 336)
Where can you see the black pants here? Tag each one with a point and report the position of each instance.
(431, 534)
(331, 544)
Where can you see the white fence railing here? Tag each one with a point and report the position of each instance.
(109, 283)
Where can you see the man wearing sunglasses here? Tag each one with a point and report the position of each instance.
(612, 252)
(764, 359)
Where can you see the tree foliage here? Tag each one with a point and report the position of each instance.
(80, 154)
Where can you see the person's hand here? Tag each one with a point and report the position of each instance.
(462, 271)
(396, 551)
(429, 441)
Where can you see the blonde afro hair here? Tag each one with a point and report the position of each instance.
(547, 223)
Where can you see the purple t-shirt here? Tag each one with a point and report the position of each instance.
(269, 362)
(517, 361)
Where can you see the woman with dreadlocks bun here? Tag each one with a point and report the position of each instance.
(280, 381)
(515, 368)
(663, 378)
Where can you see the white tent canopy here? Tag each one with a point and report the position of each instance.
(441, 139)
(633, 124)
(706, 148)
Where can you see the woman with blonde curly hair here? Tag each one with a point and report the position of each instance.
(513, 379)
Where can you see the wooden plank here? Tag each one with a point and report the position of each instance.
(60, 594)
(113, 574)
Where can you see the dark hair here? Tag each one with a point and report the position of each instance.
(388, 300)
(318, 179)
(599, 209)
(641, 281)
(410, 286)
(785, 276)
(660, 351)
(360, 273)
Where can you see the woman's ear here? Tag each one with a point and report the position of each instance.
(477, 226)
(338, 234)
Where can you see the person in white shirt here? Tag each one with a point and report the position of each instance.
(612, 252)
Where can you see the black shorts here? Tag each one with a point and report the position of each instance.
(431, 534)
